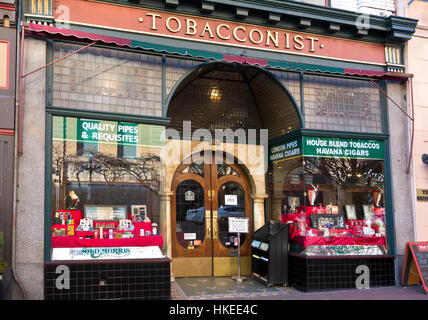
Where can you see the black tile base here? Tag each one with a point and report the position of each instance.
(309, 274)
(121, 280)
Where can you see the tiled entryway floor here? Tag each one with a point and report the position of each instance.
(211, 288)
(223, 288)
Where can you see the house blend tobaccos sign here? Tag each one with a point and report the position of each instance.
(326, 147)
(342, 148)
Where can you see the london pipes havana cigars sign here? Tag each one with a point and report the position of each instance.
(174, 25)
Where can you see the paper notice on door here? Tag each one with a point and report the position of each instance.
(189, 236)
(231, 200)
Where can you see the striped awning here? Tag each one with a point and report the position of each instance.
(209, 55)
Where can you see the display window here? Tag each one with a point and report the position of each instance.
(105, 183)
(331, 192)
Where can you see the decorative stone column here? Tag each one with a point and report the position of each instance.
(259, 210)
(165, 221)
(165, 224)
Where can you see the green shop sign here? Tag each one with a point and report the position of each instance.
(342, 148)
(287, 150)
(327, 147)
(107, 132)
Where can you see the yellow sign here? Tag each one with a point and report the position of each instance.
(4, 64)
(422, 195)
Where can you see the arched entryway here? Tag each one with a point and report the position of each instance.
(221, 96)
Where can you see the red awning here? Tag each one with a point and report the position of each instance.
(38, 28)
(285, 65)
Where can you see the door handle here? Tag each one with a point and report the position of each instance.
(207, 224)
(215, 224)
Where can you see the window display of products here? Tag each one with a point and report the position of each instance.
(103, 198)
(340, 193)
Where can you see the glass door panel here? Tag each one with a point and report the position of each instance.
(231, 203)
(190, 215)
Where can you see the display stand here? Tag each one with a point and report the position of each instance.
(269, 261)
(238, 278)
(238, 225)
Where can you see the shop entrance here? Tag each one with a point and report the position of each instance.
(247, 105)
(206, 193)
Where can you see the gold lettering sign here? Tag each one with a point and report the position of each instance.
(223, 31)
(215, 31)
(422, 195)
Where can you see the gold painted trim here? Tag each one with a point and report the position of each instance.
(215, 224)
(228, 266)
(226, 44)
(244, 24)
(208, 224)
(192, 267)
(34, 15)
(277, 161)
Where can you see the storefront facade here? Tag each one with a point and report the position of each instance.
(197, 113)
(7, 123)
(416, 63)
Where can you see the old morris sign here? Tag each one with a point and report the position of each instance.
(105, 253)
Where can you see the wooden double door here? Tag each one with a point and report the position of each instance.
(206, 193)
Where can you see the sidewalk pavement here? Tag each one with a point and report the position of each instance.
(224, 288)
(385, 293)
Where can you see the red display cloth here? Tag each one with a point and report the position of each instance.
(147, 226)
(355, 225)
(306, 241)
(302, 211)
(75, 242)
(311, 210)
(286, 217)
(292, 217)
(337, 241)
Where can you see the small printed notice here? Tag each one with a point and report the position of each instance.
(189, 236)
(231, 200)
(238, 225)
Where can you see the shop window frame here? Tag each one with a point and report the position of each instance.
(164, 121)
(384, 137)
